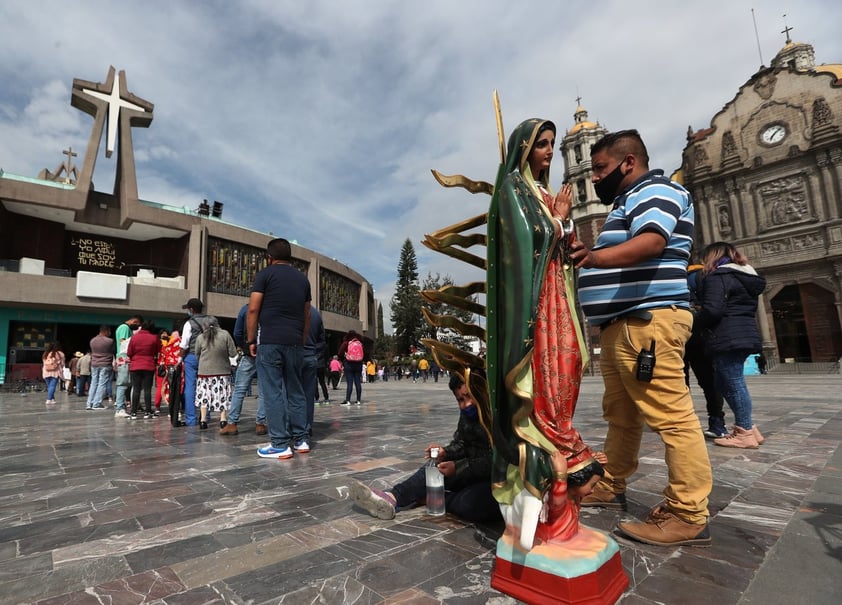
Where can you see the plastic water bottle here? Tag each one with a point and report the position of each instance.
(435, 485)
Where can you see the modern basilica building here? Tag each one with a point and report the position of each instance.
(73, 258)
(766, 176)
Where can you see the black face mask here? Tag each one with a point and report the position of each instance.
(606, 189)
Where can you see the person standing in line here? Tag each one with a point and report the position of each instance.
(170, 359)
(52, 369)
(697, 359)
(277, 325)
(633, 285)
(160, 376)
(74, 372)
(195, 325)
(102, 370)
(214, 350)
(728, 316)
(143, 351)
(335, 372)
(83, 380)
(351, 351)
(124, 382)
(314, 354)
(243, 377)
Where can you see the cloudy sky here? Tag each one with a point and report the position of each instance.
(320, 121)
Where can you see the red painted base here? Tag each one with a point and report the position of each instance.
(602, 587)
(585, 570)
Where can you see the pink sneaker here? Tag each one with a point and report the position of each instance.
(375, 502)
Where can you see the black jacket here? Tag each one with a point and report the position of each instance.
(471, 451)
(729, 306)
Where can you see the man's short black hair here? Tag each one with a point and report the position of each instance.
(627, 142)
(455, 382)
(279, 249)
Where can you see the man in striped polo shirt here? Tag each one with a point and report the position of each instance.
(633, 285)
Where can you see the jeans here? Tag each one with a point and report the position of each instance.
(82, 381)
(142, 383)
(191, 373)
(309, 372)
(100, 378)
(52, 383)
(246, 371)
(663, 404)
(123, 386)
(473, 502)
(731, 382)
(353, 378)
(279, 378)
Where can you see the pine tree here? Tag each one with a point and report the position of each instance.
(406, 302)
(383, 344)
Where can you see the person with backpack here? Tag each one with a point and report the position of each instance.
(352, 352)
(195, 325)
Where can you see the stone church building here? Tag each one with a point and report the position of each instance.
(766, 175)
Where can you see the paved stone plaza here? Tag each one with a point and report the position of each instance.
(95, 509)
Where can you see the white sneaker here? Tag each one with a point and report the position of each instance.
(121, 414)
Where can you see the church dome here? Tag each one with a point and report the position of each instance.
(582, 122)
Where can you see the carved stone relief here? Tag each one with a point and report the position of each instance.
(784, 201)
(728, 145)
(724, 220)
(765, 86)
(821, 112)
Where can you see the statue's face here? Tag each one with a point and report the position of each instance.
(542, 153)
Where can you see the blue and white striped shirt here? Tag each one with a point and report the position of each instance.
(654, 203)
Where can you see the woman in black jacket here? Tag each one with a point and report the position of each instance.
(729, 306)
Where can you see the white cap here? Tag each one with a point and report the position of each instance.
(434, 452)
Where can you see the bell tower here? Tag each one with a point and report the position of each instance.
(588, 212)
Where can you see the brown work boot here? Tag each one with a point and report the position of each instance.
(757, 434)
(602, 498)
(229, 429)
(740, 438)
(260, 429)
(663, 528)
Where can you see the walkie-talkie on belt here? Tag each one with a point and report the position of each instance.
(646, 363)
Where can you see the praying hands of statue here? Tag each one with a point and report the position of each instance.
(563, 202)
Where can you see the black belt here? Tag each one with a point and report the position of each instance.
(645, 314)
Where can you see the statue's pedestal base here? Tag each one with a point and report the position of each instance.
(585, 570)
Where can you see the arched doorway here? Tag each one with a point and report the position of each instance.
(807, 324)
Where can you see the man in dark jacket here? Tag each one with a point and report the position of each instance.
(465, 463)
